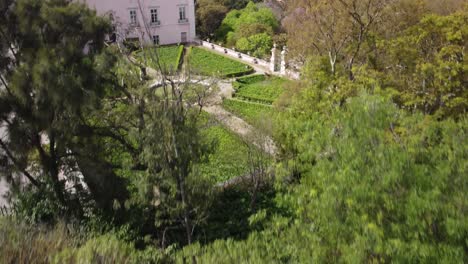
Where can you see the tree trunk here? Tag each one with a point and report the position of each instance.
(186, 209)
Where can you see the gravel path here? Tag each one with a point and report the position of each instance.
(235, 123)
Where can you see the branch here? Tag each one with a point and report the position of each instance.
(5, 85)
(15, 162)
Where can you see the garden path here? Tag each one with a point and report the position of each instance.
(214, 107)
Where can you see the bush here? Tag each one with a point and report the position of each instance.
(67, 244)
(21, 243)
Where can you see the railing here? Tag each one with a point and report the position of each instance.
(288, 73)
(235, 54)
(182, 21)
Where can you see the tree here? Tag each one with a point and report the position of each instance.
(50, 84)
(337, 29)
(372, 184)
(426, 64)
(246, 22)
(259, 44)
(210, 14)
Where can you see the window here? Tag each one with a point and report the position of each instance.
(182, 15)
(155, 39)
(154, 16)
(133, 17)
(183, 37)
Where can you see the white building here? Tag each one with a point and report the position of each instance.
(159, 22)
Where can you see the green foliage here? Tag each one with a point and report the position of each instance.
(373, 184)
(259, 45)
(428, 65)
(207, 63)
(229, 158)
(65, 244)
(169, 57)
(108, 249)
(210, 14)
(22, 243)
(243, 25)
(50, 87)
(249, 111)
(259, 88)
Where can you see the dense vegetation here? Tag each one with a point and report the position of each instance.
(371, 183)
(228, 158)
(204, 62)
(249, 30)
(210, 14)
(371, 157)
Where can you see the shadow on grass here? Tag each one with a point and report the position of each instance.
(229, 217)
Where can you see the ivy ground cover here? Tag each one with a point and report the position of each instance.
(207, 63)
(230, 154)
(169, 57)
(260, 88)
(251, 112)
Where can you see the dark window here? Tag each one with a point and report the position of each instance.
(156, 39)
(154, 16)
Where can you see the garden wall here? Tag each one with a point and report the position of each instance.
(249, 59)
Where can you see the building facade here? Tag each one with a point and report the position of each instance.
(160, 22)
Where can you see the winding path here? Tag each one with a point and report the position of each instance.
(214, 107)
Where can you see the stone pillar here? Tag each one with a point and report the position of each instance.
(273, 59)
(284, 53)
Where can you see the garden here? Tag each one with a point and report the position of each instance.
(206, 63)
(259, 88)
(229, 158)
(170, 57)
(251, 112)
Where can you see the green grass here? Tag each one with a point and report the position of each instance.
(204, 62)
(169, 57)
(230, 156)
(249, 111)
(259, 88)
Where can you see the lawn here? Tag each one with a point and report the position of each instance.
(207, 63)
(260, 88)
(230, 156)
(249, 111)
(169, 57)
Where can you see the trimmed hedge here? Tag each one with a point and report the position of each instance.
(205, 62)
(180, 55)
